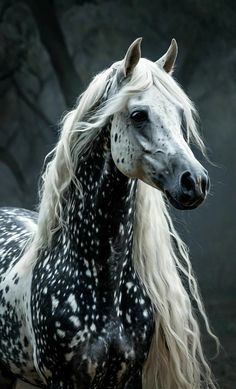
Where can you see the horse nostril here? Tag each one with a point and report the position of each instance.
(193, 188)
(187, 182)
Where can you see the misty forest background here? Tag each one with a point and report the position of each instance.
(49, 51)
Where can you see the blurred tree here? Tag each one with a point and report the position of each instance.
(52, 37)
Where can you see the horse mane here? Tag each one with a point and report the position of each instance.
(160, 258)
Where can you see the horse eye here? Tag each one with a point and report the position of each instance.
(139, 116)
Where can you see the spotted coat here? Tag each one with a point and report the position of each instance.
(81, 319)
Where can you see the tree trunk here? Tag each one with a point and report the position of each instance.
(53, 40)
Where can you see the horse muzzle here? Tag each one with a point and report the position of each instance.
(190, 191)
(184, 183)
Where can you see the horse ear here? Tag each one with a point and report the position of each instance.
(130, 60)
(167, 61)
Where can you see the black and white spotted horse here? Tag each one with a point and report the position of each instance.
(80, 317)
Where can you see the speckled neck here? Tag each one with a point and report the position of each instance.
(101, 225)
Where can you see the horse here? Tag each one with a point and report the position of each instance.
(96, 288)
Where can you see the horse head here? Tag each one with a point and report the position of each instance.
(150, 135)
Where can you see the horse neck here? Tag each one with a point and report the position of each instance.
(100, 221)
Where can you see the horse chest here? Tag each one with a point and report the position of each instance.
(100, 333)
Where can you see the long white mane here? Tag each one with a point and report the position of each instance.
(161, 260)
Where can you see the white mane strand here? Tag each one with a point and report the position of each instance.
(176, 359)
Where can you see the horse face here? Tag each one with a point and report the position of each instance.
(147, 143)
(147, 140)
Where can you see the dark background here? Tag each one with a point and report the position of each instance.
(49, 50)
